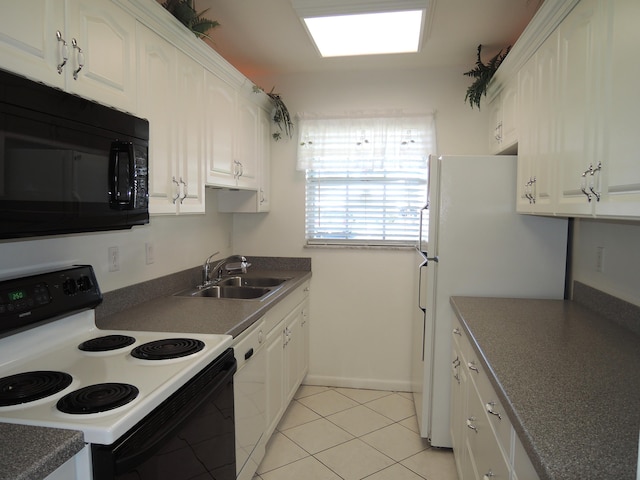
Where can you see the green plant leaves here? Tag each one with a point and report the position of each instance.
(185, 12)
(483, 74)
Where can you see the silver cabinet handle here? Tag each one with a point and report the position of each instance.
(593, 172)
(184, 190)
(79, 58)
(489, 406)
(472, 366)
(456, 362)
(177, 196)
(63, 51)
(470, 424)
(456, 331)
(488, 475)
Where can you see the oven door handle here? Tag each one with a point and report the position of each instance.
(143, 441)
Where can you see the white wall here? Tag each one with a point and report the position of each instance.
(621, 266)
(362, 301)
(179, 242)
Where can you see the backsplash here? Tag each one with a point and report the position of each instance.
(612, 308)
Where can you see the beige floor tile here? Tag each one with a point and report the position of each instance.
(361, 395)
(433, 464)
(326, 403)
(296, 414)
(354, 460)
(306, 390)
(318, 435)
(359, 420)
(396, 442)
(280, 451)
(395, 406)
(407, 395)
(306, 469)
(411, 423)
(395, 472)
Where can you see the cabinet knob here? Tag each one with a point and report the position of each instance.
(488, 475)
(456, 331)
(472, 366)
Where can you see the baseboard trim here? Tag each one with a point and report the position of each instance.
(365, 383)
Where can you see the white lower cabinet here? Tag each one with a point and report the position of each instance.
(281, 362)
(485, 445)
(287, 361)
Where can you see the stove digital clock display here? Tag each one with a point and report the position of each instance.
(17, 295)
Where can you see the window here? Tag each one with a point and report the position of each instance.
(366, 178)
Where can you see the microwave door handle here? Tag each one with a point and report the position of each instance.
(115, 177)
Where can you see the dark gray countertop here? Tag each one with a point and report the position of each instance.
(32, 453)
(568, 379)
(203, 315)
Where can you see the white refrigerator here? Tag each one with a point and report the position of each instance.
(477, 245)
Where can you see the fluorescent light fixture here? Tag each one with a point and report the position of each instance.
(367, 33)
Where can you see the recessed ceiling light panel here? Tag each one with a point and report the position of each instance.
(367, 34)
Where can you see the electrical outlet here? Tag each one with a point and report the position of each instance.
(149, 253)
(600, 259)
(114, 259)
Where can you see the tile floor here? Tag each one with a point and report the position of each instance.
(342, 433)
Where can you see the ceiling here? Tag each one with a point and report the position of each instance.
(266, 38)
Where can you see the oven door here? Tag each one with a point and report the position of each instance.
(190, 435)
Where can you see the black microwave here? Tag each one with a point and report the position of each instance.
(67, 164)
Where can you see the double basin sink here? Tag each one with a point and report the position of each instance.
(238, 287)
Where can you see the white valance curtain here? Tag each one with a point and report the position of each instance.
(366, 142)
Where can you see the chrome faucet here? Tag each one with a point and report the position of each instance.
(206, 270)
(234, 263)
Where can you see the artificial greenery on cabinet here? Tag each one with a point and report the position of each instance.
(185, 12)
(483, 73)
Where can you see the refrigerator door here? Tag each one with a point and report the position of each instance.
(485, 249)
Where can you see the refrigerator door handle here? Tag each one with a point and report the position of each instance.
(420, 306)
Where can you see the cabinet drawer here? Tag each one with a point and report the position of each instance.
(487, 458)
(498, 419)
(285, 306)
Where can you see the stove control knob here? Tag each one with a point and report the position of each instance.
(69, 286)
(84, 283)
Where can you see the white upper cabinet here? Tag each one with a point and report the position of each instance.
(93, 55)
(233, 145)
(537, 143)
(619, 177)
(220, 104)
(577, 111)
(578, 84)
(504, 128)
(170, 88)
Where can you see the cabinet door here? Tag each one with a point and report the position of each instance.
(28, 44)
(275, 377)
(527, 143)
(220, 103)
(106, 36)
(190, 134)
(157, 80)
(509, 107)
(546, 125)
(577, 100)
(620, 175)
(247, 149)
(264, 183)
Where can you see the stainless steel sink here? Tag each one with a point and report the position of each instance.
(253, 281)
(238, 287)
(226, 291)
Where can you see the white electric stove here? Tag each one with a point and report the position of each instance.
(69, 374)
